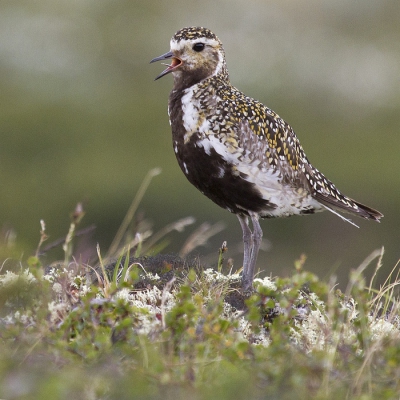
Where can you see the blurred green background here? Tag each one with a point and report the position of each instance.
(83, 120)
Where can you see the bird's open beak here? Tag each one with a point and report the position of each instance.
(174, 64)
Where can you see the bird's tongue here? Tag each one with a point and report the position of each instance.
(175, 62)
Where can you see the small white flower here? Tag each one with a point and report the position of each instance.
(57, 288)
(266, 282)
(153, 277)
(84, 289)
(211, 275)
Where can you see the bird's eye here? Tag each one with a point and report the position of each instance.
(198, 47)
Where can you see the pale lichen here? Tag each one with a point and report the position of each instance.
(265, 282)
(10, 278)
(213, 276)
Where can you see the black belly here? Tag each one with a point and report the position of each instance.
(216, 179)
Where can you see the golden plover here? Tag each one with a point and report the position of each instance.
(238, 152)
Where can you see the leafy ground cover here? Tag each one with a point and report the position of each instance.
(177, 330)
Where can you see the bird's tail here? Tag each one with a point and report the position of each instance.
(361, 211)
(368, 212)
(352, 207)
(326, 193)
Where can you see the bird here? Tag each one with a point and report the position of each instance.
(238, 152)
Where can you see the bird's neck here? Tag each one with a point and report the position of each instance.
(212, 84)
(183, 81)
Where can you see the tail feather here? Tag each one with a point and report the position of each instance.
(340, 216)
(355, 208)
(326, 193)
(368, 212)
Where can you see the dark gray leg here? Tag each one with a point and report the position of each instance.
(257, 238)
(248, 245)
(251, 241)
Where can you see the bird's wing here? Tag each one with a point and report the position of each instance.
(261, 131)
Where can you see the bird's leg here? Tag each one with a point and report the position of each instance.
(256, 239)
(247, 280)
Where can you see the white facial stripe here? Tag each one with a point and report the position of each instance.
(176, 46)
(219, 65)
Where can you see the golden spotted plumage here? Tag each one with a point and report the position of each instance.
(237, 151)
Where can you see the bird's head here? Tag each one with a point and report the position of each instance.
(196, 54)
